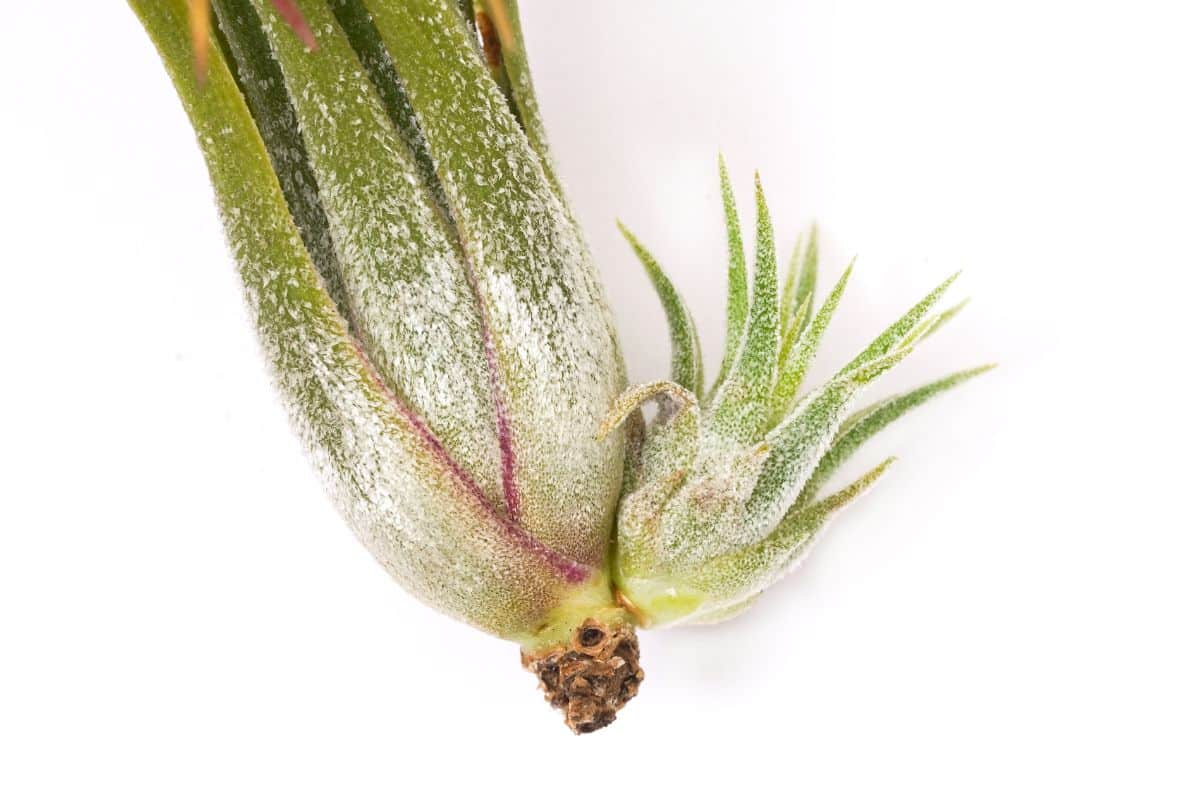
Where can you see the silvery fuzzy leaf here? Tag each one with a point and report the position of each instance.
(687, 366)
(933, 324)
(895, 335)
(860, 427)
(410, 298)
(737, 294)
(426, 520)
(707, 515)
(741, 405)
(800, 356)
(801, 282)
(556, 365)
(670, 444)
(731, 582)
(262, 84)
(798, 443)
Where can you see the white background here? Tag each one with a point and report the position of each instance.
(1013, 612)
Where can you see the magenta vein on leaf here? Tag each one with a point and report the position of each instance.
(437, 329)
(570, 571)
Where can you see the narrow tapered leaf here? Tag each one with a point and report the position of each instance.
(932, 325)
(687, 367)
(423, 519)
(791, 331)
(737, 292)
(799, 442)
(741, 407)
(861, 427)
(801, 281)
(491, 28)
(800, 356)
(894, 335)
(799, 527)
(808, 272)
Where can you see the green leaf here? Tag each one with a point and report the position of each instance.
(895, 334)
(200, 22)
(670, 444)
(411, 300)
(737, 297)
(799, 442)
(671, 397)
(862, 426)
(377, 63)
(707, 516)
(557, 364)
(735, 579)
(932, 325)
(801, 280)
(723, 613)
(741, 406)
(262, 86)
(792, 330)
(426, 522)
(505, 19)
(800, 356)
(798, 529)
(687, 367)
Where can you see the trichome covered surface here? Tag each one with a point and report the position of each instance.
(436, 326)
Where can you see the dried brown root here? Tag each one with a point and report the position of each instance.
(592, 677)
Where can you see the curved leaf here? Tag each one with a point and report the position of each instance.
(423, 519)
(894, 335)
(799, 442)
(737, 292)
(791, 375)
(411, 300)
(741, 406)
(557, 363)
(855, 432)
(801, 281)
(687, 367)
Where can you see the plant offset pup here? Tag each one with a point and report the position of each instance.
(438, 331)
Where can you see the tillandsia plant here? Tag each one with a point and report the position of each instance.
(435, 324)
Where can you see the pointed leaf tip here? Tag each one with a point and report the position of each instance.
(687, 368)
(741, 402)
(863, 425)
(791, 375)
(897, 333)
(737, 302)
(200, 24)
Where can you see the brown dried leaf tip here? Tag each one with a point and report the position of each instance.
(593, 678)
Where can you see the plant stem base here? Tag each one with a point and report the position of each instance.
(593, 676)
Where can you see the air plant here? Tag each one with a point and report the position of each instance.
(435, 324)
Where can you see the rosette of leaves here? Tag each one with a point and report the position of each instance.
(436, 327)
